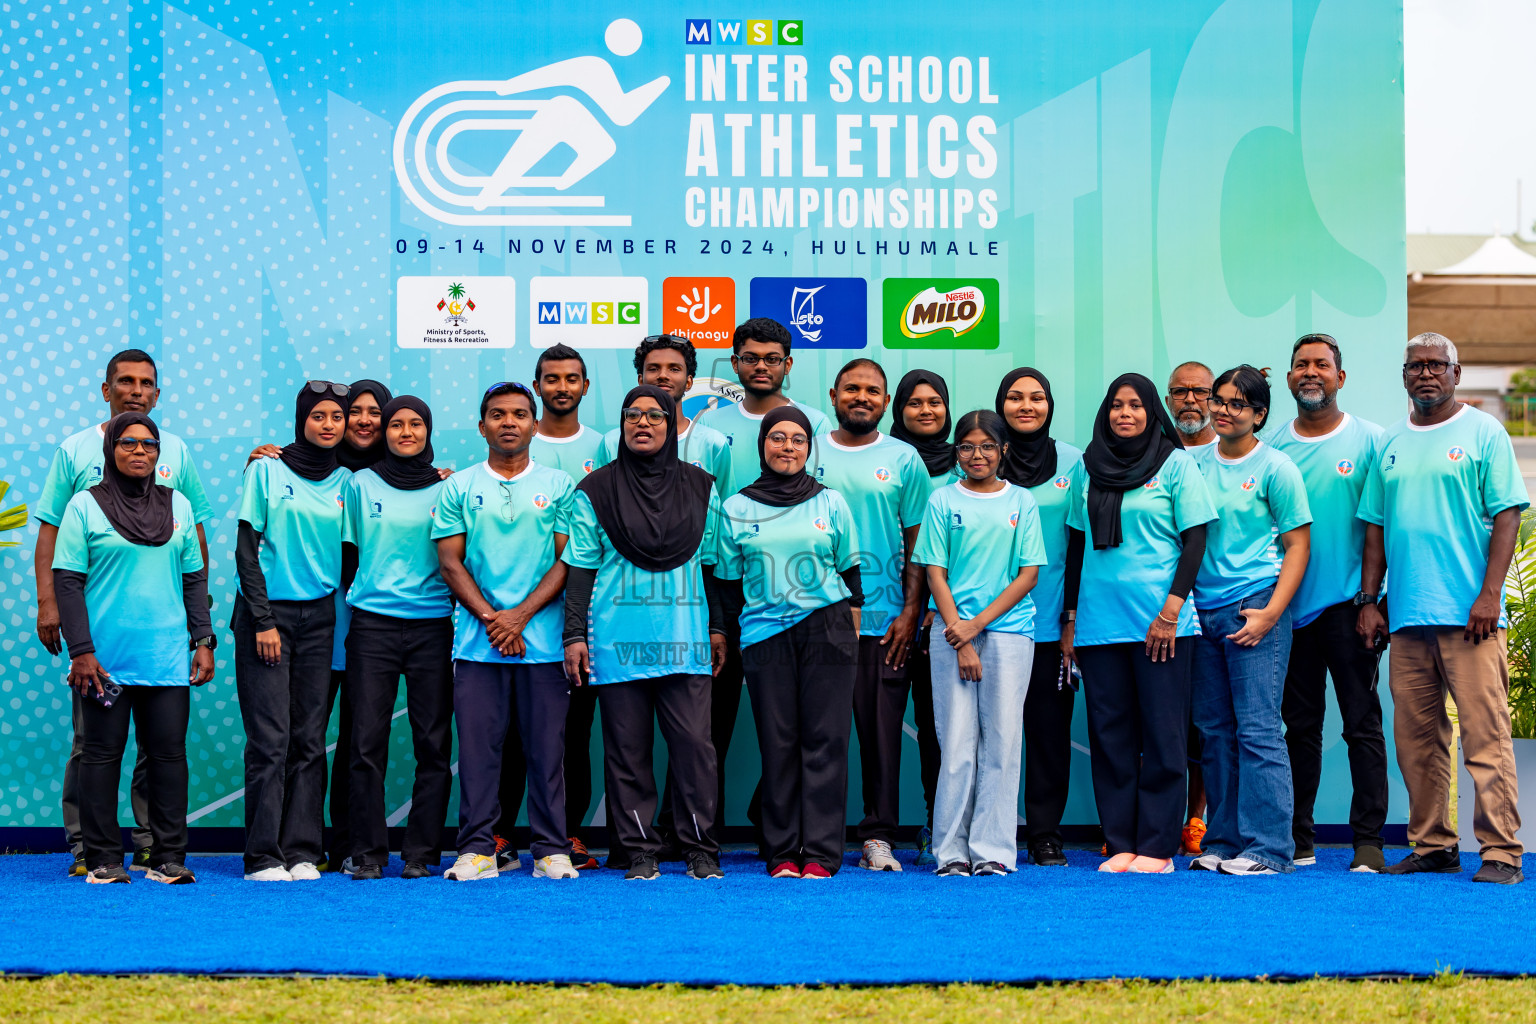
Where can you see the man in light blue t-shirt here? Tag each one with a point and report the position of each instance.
(131, 385)
(1442, 509)
(1335, 452)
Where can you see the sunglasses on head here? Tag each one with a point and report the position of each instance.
(322, 387)
(514, 385)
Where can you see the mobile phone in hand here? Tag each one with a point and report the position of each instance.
(110, 691)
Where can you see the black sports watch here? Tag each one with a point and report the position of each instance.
(1362, 598)
(210, 641)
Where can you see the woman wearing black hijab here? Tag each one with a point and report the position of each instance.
(791, 543)
(642, 529)
(1143, 505)
(1045, 467)
(132, 593)
(289, 559)
(401, 626)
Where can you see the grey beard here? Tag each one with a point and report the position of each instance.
(1191, 429)
(1314, 404)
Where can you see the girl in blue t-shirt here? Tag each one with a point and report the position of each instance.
(133, 597)
(791, 543)
(982, 545)
(288, 554)
(1255, 557)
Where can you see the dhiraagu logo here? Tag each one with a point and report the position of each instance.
(952, 313)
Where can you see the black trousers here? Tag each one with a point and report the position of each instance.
(724, 704)
(802, 683)
(159, 715)
(879, 708)
(381, 649)
(284, 709)
(1138, 714)
(1047, 744)
(920, 673)
(69, 802)
(679, 703)
(1328, 645)
(578, 755)
(341, 770)
(513, 779)
(535, 700)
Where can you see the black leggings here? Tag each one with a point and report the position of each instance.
(159, 715)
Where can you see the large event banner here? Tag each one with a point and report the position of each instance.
(431, 193)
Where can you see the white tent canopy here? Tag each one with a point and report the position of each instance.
(1496, 257)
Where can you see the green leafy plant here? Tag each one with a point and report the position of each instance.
(1520, 603)
(13, 518)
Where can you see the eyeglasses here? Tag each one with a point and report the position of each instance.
(130, 444)
(1198, 394)
(779, 439)
(1236, 405)
(752, 359)
(655, 417)
(1436, 367)
(321, 387)
(506, 502)
(967, 449)
(513, 385)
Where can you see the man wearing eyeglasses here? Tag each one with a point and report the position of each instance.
(1336, 452)
(500, 529)
(1188, 400)
(131, 385)
(1442, 511)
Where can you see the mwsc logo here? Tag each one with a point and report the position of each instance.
(754, 32)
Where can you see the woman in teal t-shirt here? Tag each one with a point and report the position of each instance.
(289, 559)
(132, 593)
(401, 626)
(982, 544)
(791, 543)
(1255, 557)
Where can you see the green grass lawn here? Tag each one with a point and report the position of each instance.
(73, 999)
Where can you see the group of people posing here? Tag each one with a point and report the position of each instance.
(1198, 583)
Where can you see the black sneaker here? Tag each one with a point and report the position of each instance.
(642, 869)
(1305, 857)
(1499, 873)
(617, 859)
(367, 873)
(140, 860)
(702, 865)
(416, 869)
(988, 867)
(78, 868)
(954, 869)
(171, 874)
(1440, 862)
(1047, 853)
(108, 874)
(1368, 860)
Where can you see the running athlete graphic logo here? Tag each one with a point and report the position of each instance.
(1457, 453)
(820, 524)
(541, 501)
(339, 502)
(587, 466)
(1151, 484)
(175, 524)
(882, 474)
(1013, 521)
(1250, 483)
(1061, 483)
(440, 184)
(163, 471)
(1346, 467)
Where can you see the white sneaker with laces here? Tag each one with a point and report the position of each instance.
(304, 871)
(1245, 866)
(556, 865)
(472, 867)
(269, 875)
(1206, 862)
(877, 856)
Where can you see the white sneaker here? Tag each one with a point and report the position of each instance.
(472, 867)
(1244, 866)
(1206, 862)
(269, 875)
(304, 871)
(877, 856)
(556, 865)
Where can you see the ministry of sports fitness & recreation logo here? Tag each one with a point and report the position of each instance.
(458, 304)
(436, 181)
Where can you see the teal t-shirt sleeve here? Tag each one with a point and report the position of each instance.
(606, 450)
(1371, 497)
(932, 547)
(914, 492)
(565, 504)
(728, 557)
(190, 486)
(450, 509)
(846, 543)
(584, 550)
(1077, 502)
(1029, 538)
(70, 551)
(1503, 486)
(351, 512)
(709, 544)
(724, 470)
(57, 490)
(1288, 497)
(191, 551)
(1191, 500)
(253, 497)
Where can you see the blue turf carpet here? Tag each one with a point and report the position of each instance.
(860, 927)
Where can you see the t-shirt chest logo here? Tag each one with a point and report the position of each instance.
(882, 474)
(586, 467)
(541, 501)
(820, 524)
(1250, 483)
(1013, 521)
(1345, 467)
(375, 510)
(163, 471)
(339, 502)
(1456, 453)
(175, 524)
(1061, 483)
(1151, 484)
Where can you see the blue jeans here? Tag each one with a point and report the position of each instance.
(981, 745)
(1237, 694)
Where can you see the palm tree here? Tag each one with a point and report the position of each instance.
(456, 291)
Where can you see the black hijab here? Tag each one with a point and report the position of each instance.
(781, 490)
(653, 507)
(1031, 458)
(407, 473)
(349, 454)
(938, 454)
(1116, 464)
(138, 508)
(304, 457)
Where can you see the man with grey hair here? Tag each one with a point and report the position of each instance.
(1188, 400)
(1442, 509)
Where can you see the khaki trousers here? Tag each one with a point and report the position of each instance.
(1428, 661)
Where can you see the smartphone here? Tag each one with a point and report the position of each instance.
(108, 695)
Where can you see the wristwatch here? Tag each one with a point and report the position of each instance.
(209, 642)
(1362, 598)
